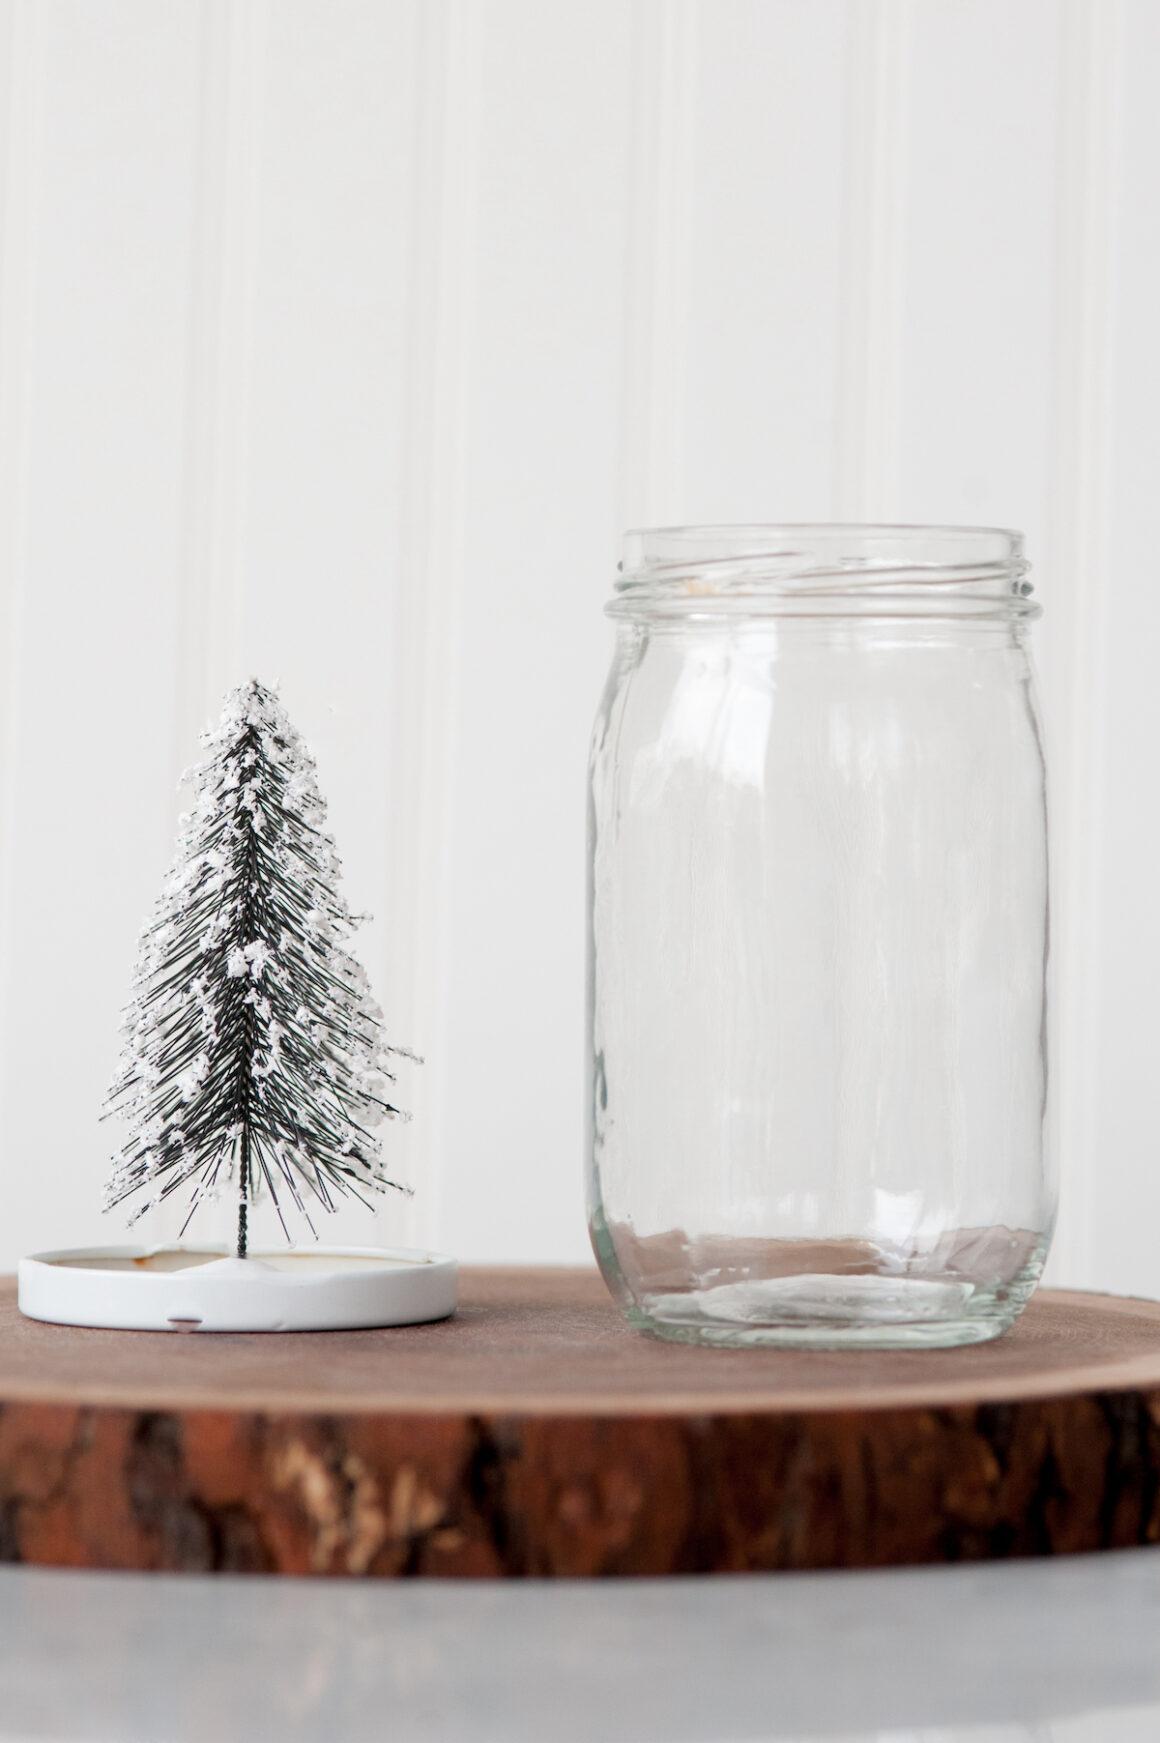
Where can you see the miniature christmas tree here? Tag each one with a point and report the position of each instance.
(253, 1055)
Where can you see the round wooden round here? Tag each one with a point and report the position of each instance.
(537, 1434)
(209, 1290)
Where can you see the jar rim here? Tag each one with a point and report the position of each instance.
(823, 568)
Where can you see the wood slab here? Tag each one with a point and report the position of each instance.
(536, 1434)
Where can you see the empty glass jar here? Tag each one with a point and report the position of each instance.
(818, 938)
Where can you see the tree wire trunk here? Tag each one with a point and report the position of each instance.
(242, 1188)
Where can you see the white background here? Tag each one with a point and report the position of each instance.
(338, 341)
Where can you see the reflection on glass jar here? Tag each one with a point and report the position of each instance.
(818, 938)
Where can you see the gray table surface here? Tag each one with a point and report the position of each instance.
(1063, 1650)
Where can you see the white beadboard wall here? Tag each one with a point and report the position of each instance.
(338, 341)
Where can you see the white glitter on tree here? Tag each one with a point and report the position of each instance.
(253, 1051)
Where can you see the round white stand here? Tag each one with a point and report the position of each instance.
(206, 1289)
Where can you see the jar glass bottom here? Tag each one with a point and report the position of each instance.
(831, 1294)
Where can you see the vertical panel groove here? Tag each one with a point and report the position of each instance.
(870, 340)
(1077, 590)
(218, 390)
(662, 155)
(432, 562)
(19, 184)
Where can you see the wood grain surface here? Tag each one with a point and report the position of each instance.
(536, 1434)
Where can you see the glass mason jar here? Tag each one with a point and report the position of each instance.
(818, 938)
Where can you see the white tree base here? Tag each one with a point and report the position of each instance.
(207, 1289)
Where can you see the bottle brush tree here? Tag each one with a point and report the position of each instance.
(253, 1054)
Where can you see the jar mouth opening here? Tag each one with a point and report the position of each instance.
(810, 569)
